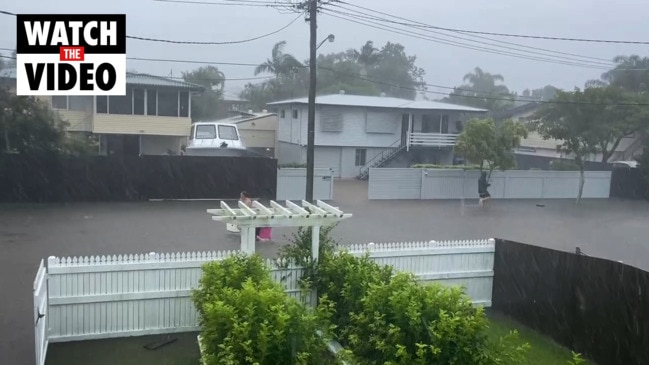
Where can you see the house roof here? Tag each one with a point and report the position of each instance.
(520, 109)
(133, 79)
(245, 117)
(379, 102)
(157, 81)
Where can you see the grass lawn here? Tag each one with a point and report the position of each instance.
(543, 350)
(126, 351)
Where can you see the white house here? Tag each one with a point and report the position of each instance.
(353, 133)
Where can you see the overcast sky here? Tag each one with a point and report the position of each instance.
(445, 65)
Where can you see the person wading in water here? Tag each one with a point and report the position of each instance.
(483, 184)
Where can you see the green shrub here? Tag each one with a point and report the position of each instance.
(403, 322)
(344, 280)
(247, 318)
(230, 273)
(446, 167)
(256, 325)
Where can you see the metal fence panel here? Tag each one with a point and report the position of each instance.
(386, 183)
(291, 184)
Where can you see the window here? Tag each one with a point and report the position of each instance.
(282, 114)
(205, 132)
(138, 101)
(59, 102)
(228, 132)
(167, 103)
(295, 114)
(122, 104)
(80, 103)
(151, 102)
(360, 157)
(331, 120)
(184, 104)
(102, 104)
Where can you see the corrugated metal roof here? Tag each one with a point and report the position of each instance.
(133, 79)
(150, 80)
(379, 102)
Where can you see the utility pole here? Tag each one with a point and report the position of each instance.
(310, 149)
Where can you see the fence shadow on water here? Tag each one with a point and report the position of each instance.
(26, 178)
(597, 307)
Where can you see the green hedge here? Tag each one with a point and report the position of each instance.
(247, 318)
(387, 318)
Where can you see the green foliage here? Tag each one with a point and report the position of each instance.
(576, 359)
(445, 167)
(205, 105)
(563, 165)
(630, 73)
(247, 318)
(490, 146)
(29, 126)
(387, 318)
(482, 91)
(368, 71)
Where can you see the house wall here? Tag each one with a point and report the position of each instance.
(159, 145)
(78, 121)
(259, 133)
(140, 124)
(290, 153)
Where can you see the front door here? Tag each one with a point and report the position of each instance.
(405, 126)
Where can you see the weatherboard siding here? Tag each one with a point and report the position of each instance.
(78, 121)
(139, 124)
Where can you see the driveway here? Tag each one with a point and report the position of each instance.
(28, 233)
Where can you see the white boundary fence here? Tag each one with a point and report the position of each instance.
(129, 295)
(411, 183)
(456, 263)
(291, 184)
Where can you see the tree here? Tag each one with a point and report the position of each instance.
(205, 105)
(547, 92)
(491, 147)
(8, 61)
(630, 74)
(280, 63)
(570, 121)
(482, 91)
(29, 126)
(367, 57)
(396, 73)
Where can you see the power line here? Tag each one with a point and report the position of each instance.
(216, 43)
(360, 77)
(462, 45)
(196, 42)
(418, 25)
(266, 4)
(378, 82)
(508, 34)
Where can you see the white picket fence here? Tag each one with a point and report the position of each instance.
(130, 295)
(455, 263)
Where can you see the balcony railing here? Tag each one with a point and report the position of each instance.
(432, 140)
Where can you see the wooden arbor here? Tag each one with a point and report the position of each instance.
(275, 215)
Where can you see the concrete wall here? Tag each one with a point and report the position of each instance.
(458, 184)
(291, 184)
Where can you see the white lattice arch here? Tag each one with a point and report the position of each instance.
(292, 215)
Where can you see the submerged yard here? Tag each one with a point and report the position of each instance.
(184, 350)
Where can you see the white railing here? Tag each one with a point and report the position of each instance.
(432, 139)
(128, 295)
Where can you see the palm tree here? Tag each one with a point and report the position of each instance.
(367, 57)
(485, 82)
(280, 64)
(631, 73)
